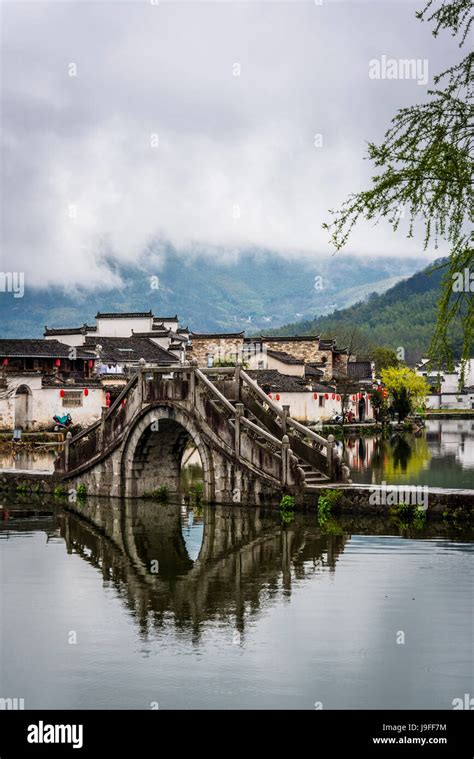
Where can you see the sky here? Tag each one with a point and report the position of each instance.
(211, 127)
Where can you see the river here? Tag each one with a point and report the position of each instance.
(144, 605)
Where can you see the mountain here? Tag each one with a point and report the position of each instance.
(404, 316)
(256, 291)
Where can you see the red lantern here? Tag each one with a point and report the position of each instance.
(58, 362)
(91, 364)
(334, 396)
(269, 395)
(326, 396)
(277, 397)
(86, 391)
(5, 362)
(62, 393)
(315, 396)
(107, 399)
(338, 397)
(353, 398)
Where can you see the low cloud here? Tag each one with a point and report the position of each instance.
(155, 140)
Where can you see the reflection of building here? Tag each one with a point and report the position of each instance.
(452, 437)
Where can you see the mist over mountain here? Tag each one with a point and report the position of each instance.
(257, 291)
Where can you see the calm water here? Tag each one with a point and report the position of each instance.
(241, 611)
(441, 456)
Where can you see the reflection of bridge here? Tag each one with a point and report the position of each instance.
(243, 552)
(250, 448)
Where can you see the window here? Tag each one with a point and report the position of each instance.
(72, 398)
(321, 400)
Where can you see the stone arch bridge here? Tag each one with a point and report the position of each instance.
(250, 448)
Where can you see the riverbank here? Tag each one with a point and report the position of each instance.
(354, 499)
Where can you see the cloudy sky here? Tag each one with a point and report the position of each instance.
(211, 126)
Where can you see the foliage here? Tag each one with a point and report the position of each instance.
(59, 491)
(161, 494)
(326, 502)
(384, 358)
(196, 493)
(287, 508)
(425, 168)
(406, 387)
(81, 492)
(407, 514)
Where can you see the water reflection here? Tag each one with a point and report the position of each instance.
(224, 607)
(441, 455)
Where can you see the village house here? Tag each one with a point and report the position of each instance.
(310, 374)
(446, 388)
(41, 378)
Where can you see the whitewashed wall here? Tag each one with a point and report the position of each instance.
(304, 407)
(46, 402)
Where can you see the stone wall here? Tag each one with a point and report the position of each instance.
(305, 349)
(220, 348)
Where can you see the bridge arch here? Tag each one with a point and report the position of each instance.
(154, 448)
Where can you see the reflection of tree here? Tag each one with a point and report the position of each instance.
(406, 456)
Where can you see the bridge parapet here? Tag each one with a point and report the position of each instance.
(250, 436)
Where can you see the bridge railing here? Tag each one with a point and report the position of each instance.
(313, 448)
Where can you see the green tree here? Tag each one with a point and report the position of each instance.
(424, 167)
(383, 359)
(407, 388)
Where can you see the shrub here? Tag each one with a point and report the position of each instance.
(161, 494)
(287, 508)
(81, 492)
(326, 502)
(407, 514)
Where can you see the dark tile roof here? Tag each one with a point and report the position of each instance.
(119, 350)
(284, 357)
(327, 344)
(38, 348)
(53, 381)
(212, 335)
(359, 369)
(131, 315)
(166, 318)
(339, 350)
(286, 383)
(313, 370)
(68, 330)
(292, 338)
(157, 333)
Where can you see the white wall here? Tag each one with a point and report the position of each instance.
(122, 327)
(76, 340)
(304, 407)
(46, 402)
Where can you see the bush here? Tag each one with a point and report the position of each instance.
(195, 493)
(161, 494)
(287, 508)
(59, 491)
(407, 514)
(326, 502)
(81, 492)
